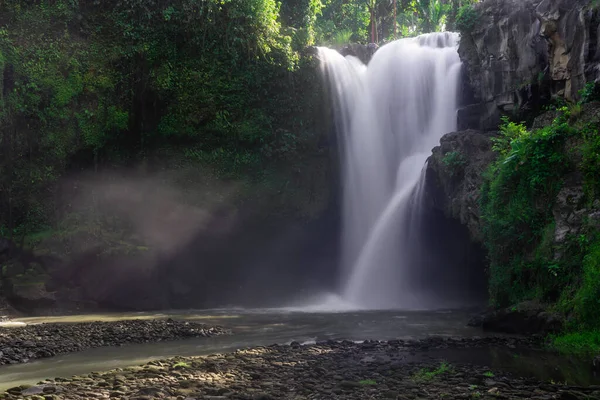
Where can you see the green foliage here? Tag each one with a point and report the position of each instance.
(517, 200)
(582, 342)
(455, 161)
(89, 83)
(510, 132)
(413, 17)
(591, 163)
(425, 375)
(587, 297)
(590, 92)
(432, 14)
(181, 365)
(556, 103)
(518, 221)
(341, 38)
(466, 19)
(342, 16)
(302, 16)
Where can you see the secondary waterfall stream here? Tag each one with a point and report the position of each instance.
(389, 115)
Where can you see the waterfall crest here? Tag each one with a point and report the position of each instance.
(389, 115)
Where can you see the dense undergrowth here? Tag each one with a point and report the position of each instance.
(541, 179)
(96, 85)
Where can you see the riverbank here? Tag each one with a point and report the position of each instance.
(331, 370)
(25, 343)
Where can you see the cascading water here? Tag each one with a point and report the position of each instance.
(389, 115)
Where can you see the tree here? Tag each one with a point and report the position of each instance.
(343, 21)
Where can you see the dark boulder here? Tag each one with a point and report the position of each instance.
(363, 52)
(523, 53)
(455, 176)
(524, 318)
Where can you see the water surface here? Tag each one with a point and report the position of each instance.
(268, 326)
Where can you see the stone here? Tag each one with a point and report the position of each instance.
(572, 395)
(455, 188)
(349, 385)
(568, 210)
(290, 374)
(522, 53)
(363, 52)
(33, 390)
(525, 318)
(20, 344)
(15, 390)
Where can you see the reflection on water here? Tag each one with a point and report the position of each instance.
(542, 366)
(264, 327)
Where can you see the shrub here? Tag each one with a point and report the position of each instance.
(590, 92)
(591, 163)
(466, 18)
(587, 298)
(585, 343)
(455, 161)
(516, 200)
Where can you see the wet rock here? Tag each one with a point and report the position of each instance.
(32, 390)
(287, 372)
(522, 53)
(455, 176)
(363, 52)
(571, 395)
(15, 390)
(524, 318)
(21, 344)
(347, 385)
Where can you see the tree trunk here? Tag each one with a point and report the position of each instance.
(395, 20)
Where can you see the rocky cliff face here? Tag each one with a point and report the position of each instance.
(522, 53)
(519, 56)
(455, 176)
(363, 52)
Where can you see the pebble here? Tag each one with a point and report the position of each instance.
(22, 344)
(288, 372)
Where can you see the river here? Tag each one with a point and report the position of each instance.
(269, 326)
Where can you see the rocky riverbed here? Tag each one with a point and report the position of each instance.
(22, 344)
(330, 370)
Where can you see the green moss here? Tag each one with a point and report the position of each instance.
(425, 375)
(519, 228)
(455, 161)
(584, 343)
(587, 297)
(518, 222)
(590, 92)
(590, 149)
(180, 365)
(466, 18)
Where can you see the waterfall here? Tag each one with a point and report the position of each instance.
(389, 115)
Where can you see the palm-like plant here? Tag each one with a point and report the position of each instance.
(432, 14)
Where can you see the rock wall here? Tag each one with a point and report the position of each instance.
(363, 52)
(522, 53)
(455, 176)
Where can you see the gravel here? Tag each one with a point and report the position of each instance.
(329, 370)
(22, 344)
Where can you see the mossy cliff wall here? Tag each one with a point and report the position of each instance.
(529, 192)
